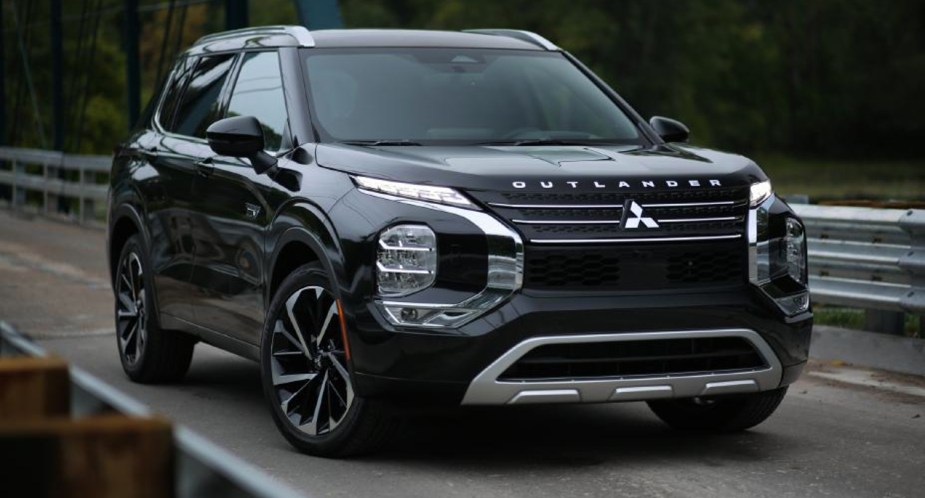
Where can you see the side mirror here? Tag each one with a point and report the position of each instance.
(669, 129)
(240, 136)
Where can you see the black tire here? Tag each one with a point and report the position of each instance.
(148, 353)
(323, 417)
(731, 413)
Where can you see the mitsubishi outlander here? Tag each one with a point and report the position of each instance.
(390, 219)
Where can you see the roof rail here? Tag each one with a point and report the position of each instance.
(527, 36)
(301, 34)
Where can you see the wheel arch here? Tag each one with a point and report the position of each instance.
(304, 237)
(125, 221)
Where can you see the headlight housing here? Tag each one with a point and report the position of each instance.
(406, 260)
(426, 193)
(777, 258)
(794, 248)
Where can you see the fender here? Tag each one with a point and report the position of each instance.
(126, 210)
(302, 222)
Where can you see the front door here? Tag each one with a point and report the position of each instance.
(233, 213)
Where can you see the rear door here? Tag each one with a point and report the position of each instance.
(167, 190)
(230, 275)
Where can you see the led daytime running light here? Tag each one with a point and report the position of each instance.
(759, 192)
(428, 193)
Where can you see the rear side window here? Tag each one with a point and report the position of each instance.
(174, 88)
(258, 92)
(199, 105)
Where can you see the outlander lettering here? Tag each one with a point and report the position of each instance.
(620, 184)
(388, 220)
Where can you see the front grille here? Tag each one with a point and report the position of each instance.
(577, 241)
(635, 358)
(563, 217)
(636, 267)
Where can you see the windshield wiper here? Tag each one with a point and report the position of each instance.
(379, 142)
(537, 141)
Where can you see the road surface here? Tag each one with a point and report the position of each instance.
(830, 437)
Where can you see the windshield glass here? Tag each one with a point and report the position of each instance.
(459, 96)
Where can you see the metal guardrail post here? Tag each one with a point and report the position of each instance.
(19, 193)
(82, 199)
(914, 262)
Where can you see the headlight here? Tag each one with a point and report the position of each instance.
(406, 261)
(442, 195)
(794, 248)
(759, 192)
(778, 262)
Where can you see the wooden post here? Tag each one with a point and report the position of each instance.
(105, 456)
(33, 388)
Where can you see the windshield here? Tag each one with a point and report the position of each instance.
(430, 96)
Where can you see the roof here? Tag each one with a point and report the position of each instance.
(299, 36)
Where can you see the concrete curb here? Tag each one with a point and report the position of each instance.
(869, 349)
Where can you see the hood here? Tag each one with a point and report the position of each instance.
(545, 168)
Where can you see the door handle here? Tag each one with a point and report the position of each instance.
(204, 166)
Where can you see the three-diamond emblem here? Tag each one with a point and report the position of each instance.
(635, 215)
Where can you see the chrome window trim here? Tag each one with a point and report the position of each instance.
(486, 389)
(505, 268)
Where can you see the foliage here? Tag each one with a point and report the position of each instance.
(822, 78)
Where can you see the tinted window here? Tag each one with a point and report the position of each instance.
(199, 106)
(440, 95)
(258, 92)
(174, 87)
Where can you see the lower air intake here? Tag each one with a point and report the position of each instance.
(635, 358)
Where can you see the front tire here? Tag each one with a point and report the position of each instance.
(305, 372)
(731, 413)
(148, 353)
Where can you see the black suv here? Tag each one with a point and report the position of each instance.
(390, 219)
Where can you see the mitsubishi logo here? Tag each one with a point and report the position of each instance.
(634, 217)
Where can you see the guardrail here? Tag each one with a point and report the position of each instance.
(46, 172)
(867, 258)
(199, 468)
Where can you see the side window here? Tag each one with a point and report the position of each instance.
(199, 105)
(174, 87)
(258, 92)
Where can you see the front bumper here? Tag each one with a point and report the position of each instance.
(461, 366)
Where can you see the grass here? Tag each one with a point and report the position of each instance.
(829, 179)
(850, 318)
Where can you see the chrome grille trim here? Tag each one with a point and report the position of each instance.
(692, 204)
(696, 220)
(566, 222)
(636, 240)
(555, 206)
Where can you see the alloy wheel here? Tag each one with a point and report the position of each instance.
(131, 322)
(308, 362)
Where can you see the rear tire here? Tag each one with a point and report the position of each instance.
(148, 353)
(306, 375)
(732, 413)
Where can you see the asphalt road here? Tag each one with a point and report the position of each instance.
(829, 438)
